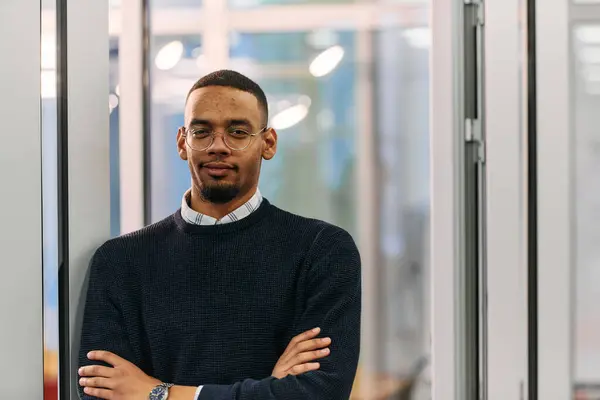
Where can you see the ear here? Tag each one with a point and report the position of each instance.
(269, 144)
(181, 145)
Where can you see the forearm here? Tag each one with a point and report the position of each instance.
(182, 392)
(313, 385)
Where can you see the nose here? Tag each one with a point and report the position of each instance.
(218, 146)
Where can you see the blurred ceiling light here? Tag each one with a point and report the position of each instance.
(289, 117)
(169, 55)
(304, 100)
(326, 119)
(113, 100)
(326, 62)
(588, 34)
(196, 51)
(419, 38)
(283, 105)
(48, 85)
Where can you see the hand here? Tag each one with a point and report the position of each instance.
(124, 381)
(296, 358)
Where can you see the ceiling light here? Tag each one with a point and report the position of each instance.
(326, 62)
(169, 55)
(289, 117)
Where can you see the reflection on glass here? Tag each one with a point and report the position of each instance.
(49, 196)
(114, 109)
(401, 95)
(586, 89)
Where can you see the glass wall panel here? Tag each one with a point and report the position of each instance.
(402, 88)
(325, 88)
(50, 196)
(586, 90)
(314, 117)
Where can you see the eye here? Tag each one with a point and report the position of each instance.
(200, 132)
(238, 133)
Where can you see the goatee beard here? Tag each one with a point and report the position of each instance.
(219, 194)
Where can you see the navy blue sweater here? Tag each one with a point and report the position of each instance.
(217, 305)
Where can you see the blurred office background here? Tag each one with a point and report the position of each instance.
(348, 85)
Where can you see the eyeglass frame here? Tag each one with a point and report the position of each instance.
(213, 134)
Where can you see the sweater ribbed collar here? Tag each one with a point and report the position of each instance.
(263, 210)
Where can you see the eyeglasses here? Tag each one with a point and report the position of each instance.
(201, 139)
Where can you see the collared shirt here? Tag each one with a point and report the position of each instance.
(196, 218)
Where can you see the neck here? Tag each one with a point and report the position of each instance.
(217, 211)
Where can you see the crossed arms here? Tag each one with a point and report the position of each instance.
(333, 297)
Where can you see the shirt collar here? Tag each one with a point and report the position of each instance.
(196, 218)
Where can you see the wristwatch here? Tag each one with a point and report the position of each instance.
(160, 392)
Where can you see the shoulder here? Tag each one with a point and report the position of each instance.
(323, 239)
(137, 242)
(315, 229)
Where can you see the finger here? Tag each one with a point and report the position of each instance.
(98, 382)
(303, 358)
(304, 336)
(310, 356)
(307, 335)
(303, 368)
(107, 357)
(100, 393)
(97, 370)
(313, 344)
(302, 347)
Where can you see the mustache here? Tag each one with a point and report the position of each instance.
(218, 162)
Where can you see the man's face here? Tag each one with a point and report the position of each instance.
(219, 173)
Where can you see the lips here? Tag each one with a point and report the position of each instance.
(218, 165)
(217, 169)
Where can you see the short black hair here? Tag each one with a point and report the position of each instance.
(233, 79)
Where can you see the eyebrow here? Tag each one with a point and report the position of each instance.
(237, 121)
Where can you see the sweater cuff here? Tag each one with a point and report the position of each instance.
(197, 395)
(215, 392)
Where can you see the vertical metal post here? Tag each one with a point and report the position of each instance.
(84, 157)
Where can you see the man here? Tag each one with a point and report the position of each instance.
(209, 298)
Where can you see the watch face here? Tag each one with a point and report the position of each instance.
(158, 393)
